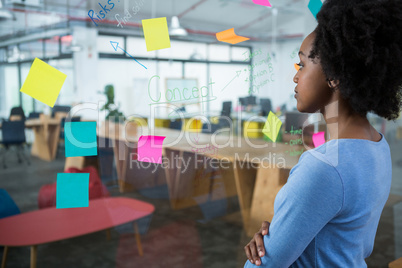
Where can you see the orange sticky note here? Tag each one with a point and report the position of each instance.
(229, 36)
(297, 67)
(43, 82)
(150, 149)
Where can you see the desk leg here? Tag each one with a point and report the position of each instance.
(3, 262)
(108, 234)
(138, 239)
(120, 150)
(268, 183)
(245, 180)
(33, 256)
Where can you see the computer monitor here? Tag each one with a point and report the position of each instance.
(266, 106)
(251, 100)
(295, 120)
(242, 101)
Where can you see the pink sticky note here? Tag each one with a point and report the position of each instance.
(318, 138)
(150, 149)
(262, 3)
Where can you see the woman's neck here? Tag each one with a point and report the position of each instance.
(344, 123)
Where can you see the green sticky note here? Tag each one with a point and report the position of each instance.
(156, 33)
(72, 190)
(80, 139)
(272, 127)
(43, 82)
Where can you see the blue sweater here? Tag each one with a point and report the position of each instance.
(327, 214)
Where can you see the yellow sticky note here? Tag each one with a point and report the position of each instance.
(156, 33)
(43, 82)
(272, 127)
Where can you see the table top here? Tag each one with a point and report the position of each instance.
(230, 148)
(51, 224)
(38, 122)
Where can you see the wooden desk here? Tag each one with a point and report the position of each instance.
(51, 224)
(256, 181)
(47, 134)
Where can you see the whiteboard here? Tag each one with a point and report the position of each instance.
(181, 84)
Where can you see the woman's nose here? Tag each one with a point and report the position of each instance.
(296, 78)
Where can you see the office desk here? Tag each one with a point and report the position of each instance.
(51, 224)
(47, 134)
(256, 181)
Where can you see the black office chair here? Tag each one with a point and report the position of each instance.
(176, 124)
(266, 106)
(62, 123)
(13, 133)
(213, 129)
(226, 108)
(18, 111)
(33, 115)
(60, 108)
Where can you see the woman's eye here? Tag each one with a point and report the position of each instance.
(298, 66)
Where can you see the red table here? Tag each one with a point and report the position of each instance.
(51, 224)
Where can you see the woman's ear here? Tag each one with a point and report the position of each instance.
(333, 84)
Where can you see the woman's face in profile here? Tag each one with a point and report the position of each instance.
(312, 90)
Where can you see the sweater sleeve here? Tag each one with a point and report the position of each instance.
(312, 196)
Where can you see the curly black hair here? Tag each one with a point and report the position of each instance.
(359, 44)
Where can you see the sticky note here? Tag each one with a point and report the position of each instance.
(43, 82)
(272, 127)
(229, 36)
(150, 149)
(315, 6)
(80, 138)
(262, 3)
(318, 138)
(156, 33)
(72, 190)
(297, 67)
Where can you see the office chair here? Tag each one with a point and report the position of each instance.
(214, 128)
(13, 135)
(62, 123)
(33, 115)
(176, 124)
(17, 111)
(226, 108)
(266, 106)
(7, 205)
(60, 108)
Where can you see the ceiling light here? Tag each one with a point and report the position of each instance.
(175, 29)
(5, 14)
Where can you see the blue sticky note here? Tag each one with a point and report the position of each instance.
(80, 139)
(72, 190)
(315, 6)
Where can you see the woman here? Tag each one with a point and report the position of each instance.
(327, 214)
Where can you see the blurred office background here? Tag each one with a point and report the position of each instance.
(252, 77)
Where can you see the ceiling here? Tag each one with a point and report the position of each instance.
(202, 18)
